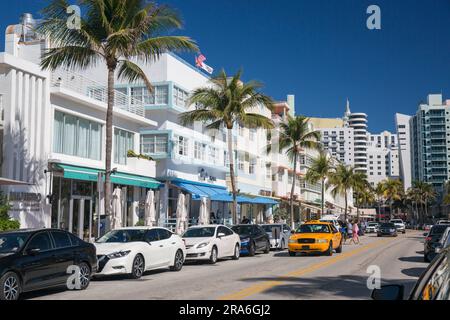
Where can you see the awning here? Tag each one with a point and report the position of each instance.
(90, 174)
(9, 182)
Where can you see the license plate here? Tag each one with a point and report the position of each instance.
(305, 247)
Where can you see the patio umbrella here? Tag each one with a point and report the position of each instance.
(116, 209)
(203, 217)
(181, 214)
(150, 212)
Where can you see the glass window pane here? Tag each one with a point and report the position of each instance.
(83, 138)
(70, 135)
(58, 132)
(96, 141)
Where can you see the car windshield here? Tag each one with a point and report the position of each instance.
(123, 236)
(396, 221)
(269, 228)
(206, 232)
(438, 229)
(243, 229)
(313, 228)
(387, 225)
(373, 224)
(12, 242)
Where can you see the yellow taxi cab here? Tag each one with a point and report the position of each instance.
(315, 237)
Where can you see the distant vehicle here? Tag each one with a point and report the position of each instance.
(316, 237)
(431, 241)
(372, 227)
(36, 259)
(399, 224)
(434, 284)
(333, 219)
(253, 238)
(444, 242)
(443, 222)
(427, 227)
(211, 243)
(278, 234)
(133, 251)
(387, 229)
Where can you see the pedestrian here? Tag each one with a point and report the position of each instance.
(349, 230)
(355, 231)
(245, 220)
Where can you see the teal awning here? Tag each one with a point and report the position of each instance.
(90, 174)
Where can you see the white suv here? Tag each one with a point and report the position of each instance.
(399, 224)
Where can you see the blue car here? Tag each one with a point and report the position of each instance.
(253, 239)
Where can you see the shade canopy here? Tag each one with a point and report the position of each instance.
(91, 174)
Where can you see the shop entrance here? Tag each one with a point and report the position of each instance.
(81, 218)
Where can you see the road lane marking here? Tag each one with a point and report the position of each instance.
(265, 285)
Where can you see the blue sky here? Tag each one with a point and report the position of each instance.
(320, 50)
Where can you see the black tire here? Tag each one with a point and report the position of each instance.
(251, 249)
(292, 254)
(213, 257)
(138, 267)
(329, 252)
(178, 261)
(10, 287)
(85, 275)
(237, 252)
(267, 248)
(339, 249)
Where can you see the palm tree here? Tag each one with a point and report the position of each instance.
(344, 179)
(428, 195)
(295, 135)
(392, 191)
(414, 195)
(115, 33)
(227, 103)
(320, 170)
(364, 196)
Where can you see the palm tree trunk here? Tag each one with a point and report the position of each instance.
(323, 197)
(293, 190)
(232, 176)
(345, 212)
(109, 142)
(390, 210)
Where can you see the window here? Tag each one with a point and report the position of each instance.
(252, 136)
(41, 241)
(152, 235)
(159, 96)
(162, 95)
(268, 171)
(212, 154)
(123, 142)
(78, 137)
(252, 166)
(180, 97)
(241, 160)
(154, 144)
(164, 234)
(181, 145)
(62, 239)
(199, 151)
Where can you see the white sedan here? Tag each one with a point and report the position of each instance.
(279, 235)
(211, 243)
(136, 250)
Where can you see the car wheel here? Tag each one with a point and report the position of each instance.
(85, 275)
(329, 252)
(267, 248)
(404, 232)
(339, 249)
(237, 252)
(251, 249)
(10, 287)
(292, 254)
(138, 267)
(213, 257)
(178, 261)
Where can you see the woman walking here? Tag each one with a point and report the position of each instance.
(355, 238)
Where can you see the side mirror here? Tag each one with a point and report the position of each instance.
(221, 235)
(33, 251)
(390, 292)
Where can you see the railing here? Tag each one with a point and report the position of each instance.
(95, 90)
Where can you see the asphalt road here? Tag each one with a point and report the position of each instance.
(270, 276)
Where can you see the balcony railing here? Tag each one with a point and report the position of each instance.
(80, 84)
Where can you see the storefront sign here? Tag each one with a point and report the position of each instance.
(25, 201)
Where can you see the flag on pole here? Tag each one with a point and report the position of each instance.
(200, 63)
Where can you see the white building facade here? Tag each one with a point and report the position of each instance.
(404, 147)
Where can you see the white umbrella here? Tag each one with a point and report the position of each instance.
(203, 216)
(116, 209)
(181, 214)
(150, 211)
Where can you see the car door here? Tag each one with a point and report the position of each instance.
(336, 238)
(221, 242)
(38, 263)
(229, 241)
(64, 254)
(153, 250)
(169, 246)
(260, 237)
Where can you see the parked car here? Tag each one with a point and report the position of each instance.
(399, 224)
(133, 251)
(431, 241)
(211, 243)
(316, 237)
(31, 260)
(372, 227)
(443, 222)
(434, 284)
(279, 235)
(444, 242)
(253, 238)
(427, 227)
(387, 229)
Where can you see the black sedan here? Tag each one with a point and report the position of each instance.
(387, 229)
(36, 259)
(253, 238)
(432, 240)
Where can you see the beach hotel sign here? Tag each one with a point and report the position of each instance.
(200, 63)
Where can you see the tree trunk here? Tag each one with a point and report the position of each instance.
(232, 177)
(109, 142)
(292, 191)
(390, 210)
(345, 212)
(323, 196)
